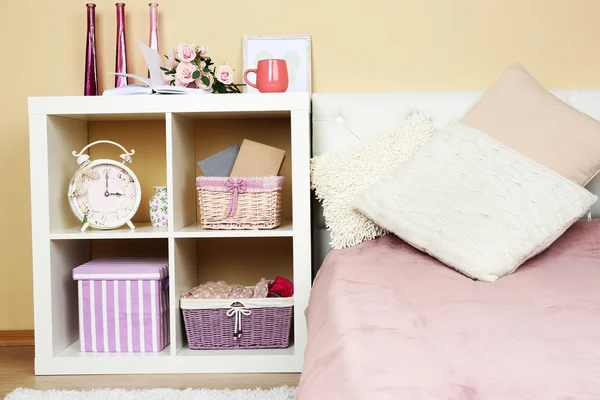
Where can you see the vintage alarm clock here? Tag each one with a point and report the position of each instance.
(104, 193)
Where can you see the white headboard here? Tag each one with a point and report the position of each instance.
(341, 120)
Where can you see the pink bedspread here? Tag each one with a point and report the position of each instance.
(388, 322)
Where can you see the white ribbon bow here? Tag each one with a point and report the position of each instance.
(237, 312)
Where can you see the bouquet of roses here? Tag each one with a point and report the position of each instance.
(190, 66)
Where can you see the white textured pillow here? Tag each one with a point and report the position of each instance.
(338, 177)
(475, 204)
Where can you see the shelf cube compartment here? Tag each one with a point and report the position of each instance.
(195, 136)
(65, 135)
(66, 316)
(239, 261)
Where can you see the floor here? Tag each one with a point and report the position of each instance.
(16, 370)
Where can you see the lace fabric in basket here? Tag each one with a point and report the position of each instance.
(222, 290)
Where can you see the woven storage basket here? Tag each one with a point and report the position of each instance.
(213, 324)
(240, 203)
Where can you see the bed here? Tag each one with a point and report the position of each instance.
(386, 321)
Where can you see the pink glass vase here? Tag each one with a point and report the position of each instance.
(121, 59)
(91, 69)
(153, 39)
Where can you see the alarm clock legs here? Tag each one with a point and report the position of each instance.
(130, 224)
(84, 227)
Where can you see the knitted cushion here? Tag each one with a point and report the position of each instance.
(475, 204)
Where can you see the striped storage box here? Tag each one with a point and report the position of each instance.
(123, 305)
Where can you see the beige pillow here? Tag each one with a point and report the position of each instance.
(520, 113)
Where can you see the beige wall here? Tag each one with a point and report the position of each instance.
(390, 45)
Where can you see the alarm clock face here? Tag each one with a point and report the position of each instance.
(108, 196)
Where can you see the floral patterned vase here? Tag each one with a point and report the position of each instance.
(158, 207)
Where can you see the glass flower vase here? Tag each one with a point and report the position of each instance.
(91, 68)
(153, 36)
(121, 58)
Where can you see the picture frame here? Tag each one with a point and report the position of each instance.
(295, 49)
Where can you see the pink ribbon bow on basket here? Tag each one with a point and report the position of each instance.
(235, 186)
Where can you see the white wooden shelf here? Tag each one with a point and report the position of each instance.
(147, 231)
(272, 105)
(74, 351)
(73, 362)
(196, 231)
(59, 125)
(141, 231)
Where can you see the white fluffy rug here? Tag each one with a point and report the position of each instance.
(279, 393)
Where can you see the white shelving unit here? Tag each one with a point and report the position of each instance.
(190, 124)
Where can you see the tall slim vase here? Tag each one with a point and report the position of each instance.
(121, 58)
(153, 39)
(90, 87)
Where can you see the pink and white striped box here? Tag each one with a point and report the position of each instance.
(123, 305)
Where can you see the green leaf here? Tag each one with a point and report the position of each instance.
(205, 80)
(164, 69)
(196, 75)
(206, 70)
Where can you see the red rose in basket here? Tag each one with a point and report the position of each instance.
(281, 287)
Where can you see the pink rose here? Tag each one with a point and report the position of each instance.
(171, 62)
(186, 52)
(203, 50)
(224, 74)
(201, 84)
(184, 72)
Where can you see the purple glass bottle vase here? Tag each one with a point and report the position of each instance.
(153, 37)
(121, 58)
(91, 68)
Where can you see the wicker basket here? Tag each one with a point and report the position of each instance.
(240, 203)
(237, 323)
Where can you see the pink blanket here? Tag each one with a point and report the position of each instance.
(388, 322)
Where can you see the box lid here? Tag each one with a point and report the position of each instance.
(123, 268)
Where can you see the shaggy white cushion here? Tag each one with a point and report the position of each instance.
(338, 177)
(475, 204)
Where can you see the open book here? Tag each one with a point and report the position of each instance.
(153, 85)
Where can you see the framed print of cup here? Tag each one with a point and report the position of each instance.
(294, 49)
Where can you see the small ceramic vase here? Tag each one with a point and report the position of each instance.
(158, 207)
